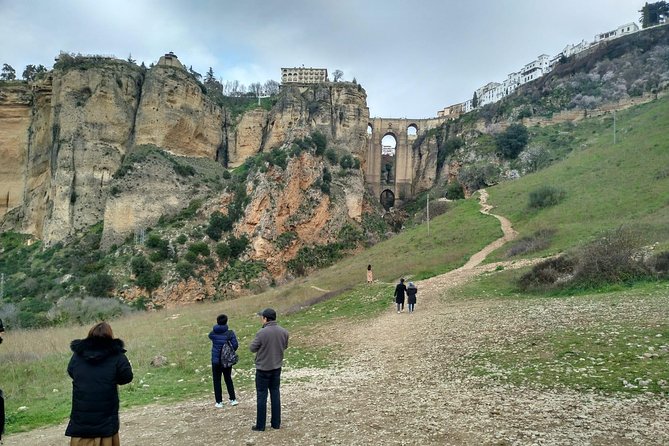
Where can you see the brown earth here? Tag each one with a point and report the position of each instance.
(406, 382)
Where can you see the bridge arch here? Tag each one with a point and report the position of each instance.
(412, 130)
(387, 199)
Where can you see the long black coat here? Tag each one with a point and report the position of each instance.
(400, 289)
(97, 367)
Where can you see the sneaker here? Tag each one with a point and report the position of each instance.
(257, 429)
(398, 312)
(233, 402)
(219, 405)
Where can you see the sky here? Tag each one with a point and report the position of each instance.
(412, 57)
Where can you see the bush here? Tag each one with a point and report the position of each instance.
(185, 269)
(100, 285)
(223, 251)
(199, 249)
(545, 196)
(161, 247)
(74, 310)
(613, 258)
(241, 271)
(217, 224)
(226, 175)
(285, 239)
(182, 239)
(547, 274)
(346, 162)
(320, 142)
(309, 257)
(512, 141)
(331, 156)
(661, 263)
(538, 241)
(454, 191)
(238, 245)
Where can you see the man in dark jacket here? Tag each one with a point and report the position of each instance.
(98, 366)
(400, 289)
(268, 345)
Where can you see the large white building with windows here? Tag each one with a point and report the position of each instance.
(304, 75)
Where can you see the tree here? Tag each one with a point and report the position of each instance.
(29, 72)
(209, 76)
(271, 87)
(475, 101)
(337, 75)
(194, 73)
(652, 13)
(8, 73)
(256, 89)
(512, 141)
(130, 59)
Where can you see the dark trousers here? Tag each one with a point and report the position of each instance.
(216, 371)
(268, 380)
(2, 414)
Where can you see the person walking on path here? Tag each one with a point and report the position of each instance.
(370, 275)
(400, 289)
(268, 345)
(221, 335)
(412, 290)
(97, 367)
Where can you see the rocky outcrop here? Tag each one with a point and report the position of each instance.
(15, 116)
(175, 114)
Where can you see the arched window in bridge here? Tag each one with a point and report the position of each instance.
(388, 146)
(369, 129)
(412, 130)
(387, 199)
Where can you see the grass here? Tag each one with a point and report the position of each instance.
(605, 185)
(34, 362)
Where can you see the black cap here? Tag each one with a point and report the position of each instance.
(268, 314)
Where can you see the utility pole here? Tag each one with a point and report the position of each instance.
(614, 127)
(428, 215)
(2, 285)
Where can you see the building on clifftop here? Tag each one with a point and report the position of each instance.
(170, 59)
(304, 75)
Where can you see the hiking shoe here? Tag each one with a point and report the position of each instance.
(233, 402)
(257, 429)
(219, 405)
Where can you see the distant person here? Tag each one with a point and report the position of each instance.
(98, 366)
(269, 344)
(370, 275)
(2, 398)
(220, 336)
(400, 289)
(412, 290)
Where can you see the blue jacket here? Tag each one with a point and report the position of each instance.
(220, 335)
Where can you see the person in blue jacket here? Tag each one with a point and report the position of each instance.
(219, 335)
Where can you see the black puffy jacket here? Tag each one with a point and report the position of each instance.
(97, 367)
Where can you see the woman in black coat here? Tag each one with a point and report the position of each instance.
(400, 289)
(97, 367)
(411, 296)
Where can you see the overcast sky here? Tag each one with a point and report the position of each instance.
(412, 57)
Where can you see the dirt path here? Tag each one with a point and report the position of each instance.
(405, 382)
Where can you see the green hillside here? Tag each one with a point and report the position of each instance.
(606, 185)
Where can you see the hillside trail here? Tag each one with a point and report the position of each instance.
(406, 379)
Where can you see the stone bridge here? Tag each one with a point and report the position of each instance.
(389, 171)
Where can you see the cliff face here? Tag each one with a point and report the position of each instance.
(15, 115)
(175, 114)
(64, 139)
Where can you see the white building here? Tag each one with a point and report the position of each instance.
(622, 30)
(535, 69)
(304, 75)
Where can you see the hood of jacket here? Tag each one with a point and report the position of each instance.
(220, 329)
(97, 349)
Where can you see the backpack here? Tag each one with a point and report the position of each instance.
(227, 355)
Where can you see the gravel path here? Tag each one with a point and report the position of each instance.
(405, 382)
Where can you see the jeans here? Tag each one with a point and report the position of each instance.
(216, 371)
(268, 380)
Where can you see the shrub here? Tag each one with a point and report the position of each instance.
(546, 274)
(331, 156)
(477, 176)
(223, 251)
(181, 239)
(217, 224)
(100, 285)
(661, 263)
(285, 239)
(69, 310)
(346, 161)
(319, 142)
(538, 241)
(185, 269)
(314, 257)
(190, 257)
(199, 248)
(349, 236)
(512, 141)
(161, 247)
(241, 271)
(545, 196)
(454, 191)
(611, 259)
(226, 175)
(238, 245)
